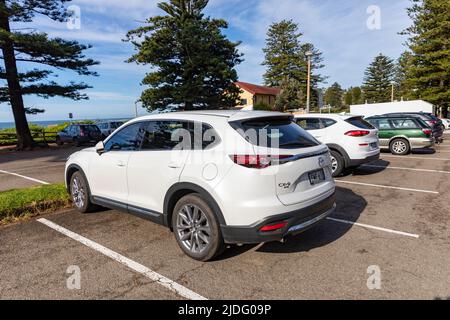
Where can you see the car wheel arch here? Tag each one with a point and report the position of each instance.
(69, 173)
(341, 151)
(399, 137)
(181, 189)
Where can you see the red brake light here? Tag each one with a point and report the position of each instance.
(257, 161)
(428, 132)
(273, 227)
(357, 133)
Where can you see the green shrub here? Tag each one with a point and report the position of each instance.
(262, 106)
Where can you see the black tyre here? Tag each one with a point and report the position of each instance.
(76, 142)
(399, 147)
(337, 163)
(196, 228)
(59, 141)
(79, 191)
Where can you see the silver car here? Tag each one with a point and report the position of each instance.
(108, 127)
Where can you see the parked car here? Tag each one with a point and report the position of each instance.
(430, 119)
(446, 123)
(232, 187)
(401, 134)
(108, 127)
(352, 140)
(79, 134)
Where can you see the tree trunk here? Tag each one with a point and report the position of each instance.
(24, 138)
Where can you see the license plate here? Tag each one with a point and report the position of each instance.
(316, 177)
(374, 145)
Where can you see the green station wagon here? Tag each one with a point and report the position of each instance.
(402, 134)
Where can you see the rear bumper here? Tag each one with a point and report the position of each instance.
(297, 221)
(358, 162)
(421, 142)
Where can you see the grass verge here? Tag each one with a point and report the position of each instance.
(19, 204)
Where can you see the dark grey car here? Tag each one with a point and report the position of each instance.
(79, 134)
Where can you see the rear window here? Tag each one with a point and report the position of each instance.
(275, 132)
(359, 122)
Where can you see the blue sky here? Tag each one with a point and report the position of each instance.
(337, 28)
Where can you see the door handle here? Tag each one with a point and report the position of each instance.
(174, 165)
(120, 164)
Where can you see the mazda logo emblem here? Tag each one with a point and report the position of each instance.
(321, 162)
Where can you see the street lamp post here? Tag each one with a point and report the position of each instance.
(136, 109)
(308, 85)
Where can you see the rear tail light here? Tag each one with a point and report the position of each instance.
(357, 133)
(273, 227)
(428, 132)
(257, 161)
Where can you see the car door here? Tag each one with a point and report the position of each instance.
(385, 132)
(108, 170)
(152, 171)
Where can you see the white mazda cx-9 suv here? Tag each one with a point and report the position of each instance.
(212, 177)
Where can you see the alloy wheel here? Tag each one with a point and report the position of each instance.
(78, 192)
(399, 147)
(334, 164)
(193, 228)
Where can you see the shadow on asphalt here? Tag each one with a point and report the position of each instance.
(52, 154)
(349, 207)
(424, 151)
(381, 165)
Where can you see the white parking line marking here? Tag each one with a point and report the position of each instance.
(408, 157)
(160, 279)
(24, 177)
(387, 187)
(375, 228)
(401, 168)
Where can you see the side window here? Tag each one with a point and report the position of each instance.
(382, 124)
(404, 124)
(301, 123)
(166, 135)
(204, 139)
(313, 124)
(127, 139)
(327, 122)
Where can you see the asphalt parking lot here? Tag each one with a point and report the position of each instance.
(393, 216)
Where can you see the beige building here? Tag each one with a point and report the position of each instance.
(253, 94)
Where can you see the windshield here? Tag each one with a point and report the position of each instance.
(360, 123)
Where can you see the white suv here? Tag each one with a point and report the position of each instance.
(352, 140)
(212, 177)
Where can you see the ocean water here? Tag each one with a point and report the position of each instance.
(7, 125)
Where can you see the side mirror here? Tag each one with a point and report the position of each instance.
(100, 148)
